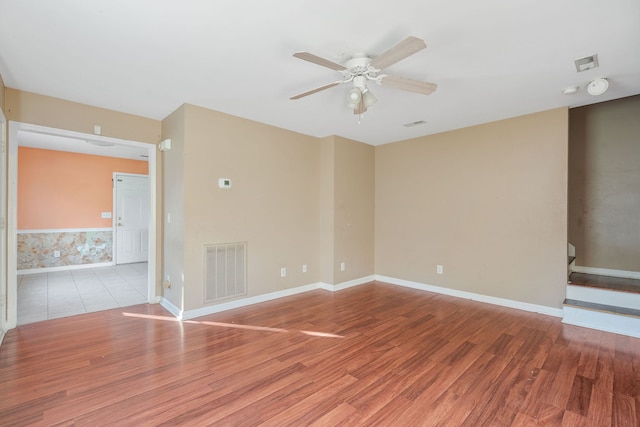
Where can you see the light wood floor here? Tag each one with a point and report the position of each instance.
(370, 355)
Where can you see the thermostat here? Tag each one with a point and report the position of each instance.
(224, 183)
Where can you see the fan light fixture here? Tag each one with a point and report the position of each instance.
(361, 69)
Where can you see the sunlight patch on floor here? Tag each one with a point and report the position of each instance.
(229, 325)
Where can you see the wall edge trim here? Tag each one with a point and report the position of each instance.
(171, 308)
(211, 309)
(64, 230)
(519, 305)
(65, 268)
(348, 284)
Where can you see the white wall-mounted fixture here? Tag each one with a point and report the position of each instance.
(224, 183)
(165, 145)
(598, 86)
(570, 90)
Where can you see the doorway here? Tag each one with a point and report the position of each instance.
(19, 130)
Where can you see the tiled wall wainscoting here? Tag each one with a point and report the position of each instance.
(60, 248)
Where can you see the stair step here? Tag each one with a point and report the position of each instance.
(610, 297)
(602, 307)
(619, 284)
(603, 317)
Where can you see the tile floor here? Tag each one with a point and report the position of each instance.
(44, 296)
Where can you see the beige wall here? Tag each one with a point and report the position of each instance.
(326, 195)
(604, 184)
(347, 209)
(57, 113)
(173, 127)
(354, 193)
(273, 203)
(487, 202)
(295, 200)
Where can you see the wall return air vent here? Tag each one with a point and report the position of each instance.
(225, 271)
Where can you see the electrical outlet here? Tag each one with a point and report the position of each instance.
(343, 266)
(56, 254)
(283, 272)
(440, 269)
(304, 268)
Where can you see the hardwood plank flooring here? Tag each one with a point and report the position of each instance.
(375, 354)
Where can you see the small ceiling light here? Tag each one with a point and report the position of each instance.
(570, 90)
(353, 98)
(598, 86)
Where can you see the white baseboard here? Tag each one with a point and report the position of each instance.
(171, 308)
(606, 272)
(349, 284)
(203, 311)
(550, 311)
(65, 268)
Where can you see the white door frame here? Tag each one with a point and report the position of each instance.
(12, 208)
(3, 226)
(114, 221)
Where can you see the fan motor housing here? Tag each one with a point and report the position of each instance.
(359, 65)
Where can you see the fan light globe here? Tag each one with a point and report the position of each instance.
(368, 98)
(354, 97)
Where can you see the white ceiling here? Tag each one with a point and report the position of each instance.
(491, 59)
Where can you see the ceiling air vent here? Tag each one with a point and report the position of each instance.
(586, 63)
(412, 124)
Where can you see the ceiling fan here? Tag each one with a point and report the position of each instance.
(360, 69)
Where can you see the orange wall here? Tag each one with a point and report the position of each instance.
(57, 189)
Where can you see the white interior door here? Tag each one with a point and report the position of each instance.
(132, 218)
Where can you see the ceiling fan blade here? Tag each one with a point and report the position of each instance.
(318, 89)
(306, 56)
(405, 48)
(424, 88)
